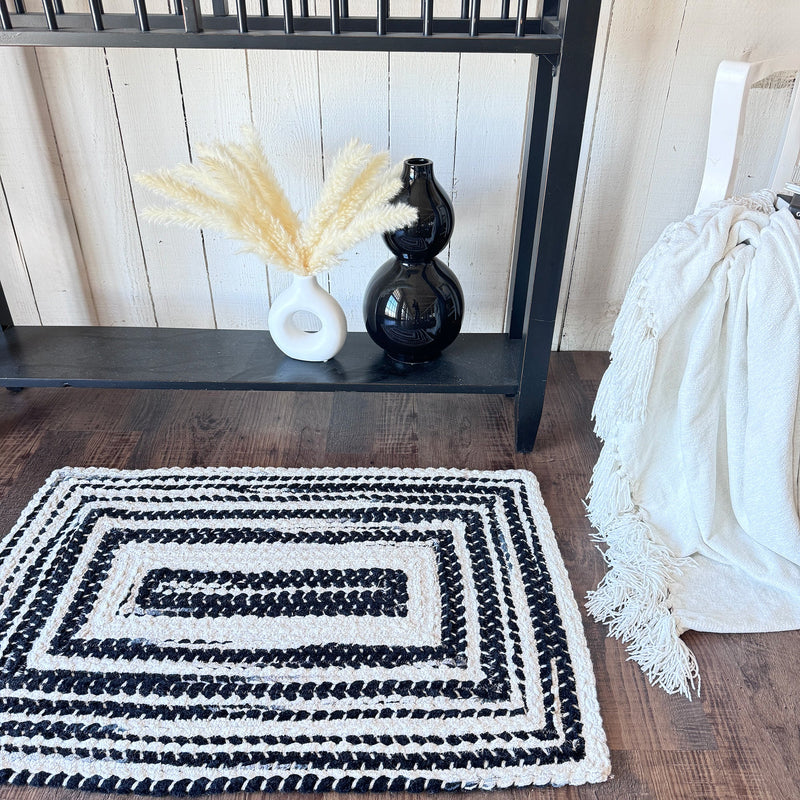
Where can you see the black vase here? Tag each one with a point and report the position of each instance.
(413, 306)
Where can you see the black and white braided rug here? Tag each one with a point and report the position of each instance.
(184, 631)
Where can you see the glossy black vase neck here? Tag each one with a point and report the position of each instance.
(415, 169)
(428, 236)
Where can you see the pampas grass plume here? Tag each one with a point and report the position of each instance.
(233, 189)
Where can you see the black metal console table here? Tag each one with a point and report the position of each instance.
(514, 364)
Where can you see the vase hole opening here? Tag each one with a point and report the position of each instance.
(418, 162)
(306, 321)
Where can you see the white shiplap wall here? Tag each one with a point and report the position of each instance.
(646, 134)
(73, 249)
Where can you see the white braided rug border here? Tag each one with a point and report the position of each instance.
(60, 682)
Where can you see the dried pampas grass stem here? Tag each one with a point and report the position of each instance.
(233, 189)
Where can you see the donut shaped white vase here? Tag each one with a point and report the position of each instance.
(305, 294)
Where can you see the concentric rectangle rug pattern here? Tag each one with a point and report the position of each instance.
(181, 631)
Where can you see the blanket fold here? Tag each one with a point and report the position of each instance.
(695, 493)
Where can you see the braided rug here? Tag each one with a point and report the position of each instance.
(181, 631)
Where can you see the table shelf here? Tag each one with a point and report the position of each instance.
(190, 358)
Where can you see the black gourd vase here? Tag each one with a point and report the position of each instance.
(414, 306)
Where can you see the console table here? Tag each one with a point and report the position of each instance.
(513, 363)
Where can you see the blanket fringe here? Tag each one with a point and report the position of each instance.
(633, 597)
(622, 396)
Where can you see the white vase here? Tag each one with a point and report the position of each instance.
(305, 294)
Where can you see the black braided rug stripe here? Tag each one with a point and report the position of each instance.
(188, 631)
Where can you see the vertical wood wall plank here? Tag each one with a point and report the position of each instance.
(86, 130)
(13, 273)
(486, 181)
(358, 108)
(284, 90)
(146, 88)
(38, 200)
(636, 84)
(217, 104)
(423, 101)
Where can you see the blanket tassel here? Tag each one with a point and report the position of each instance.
(633, 596)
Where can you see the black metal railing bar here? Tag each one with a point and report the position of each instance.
(522, 14)
(97, 14)
(335, 27)
(474, 17)
(427, 17)
(50, 14)
(53, 27)
(383, 14)
(141, 15)
(288, 17)
(192, 18)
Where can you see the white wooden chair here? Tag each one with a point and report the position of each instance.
(728, 107)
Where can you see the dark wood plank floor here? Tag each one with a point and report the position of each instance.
(740, 740)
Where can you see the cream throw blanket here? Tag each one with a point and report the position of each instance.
(695, 493)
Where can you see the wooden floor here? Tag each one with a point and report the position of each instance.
(741, 739)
